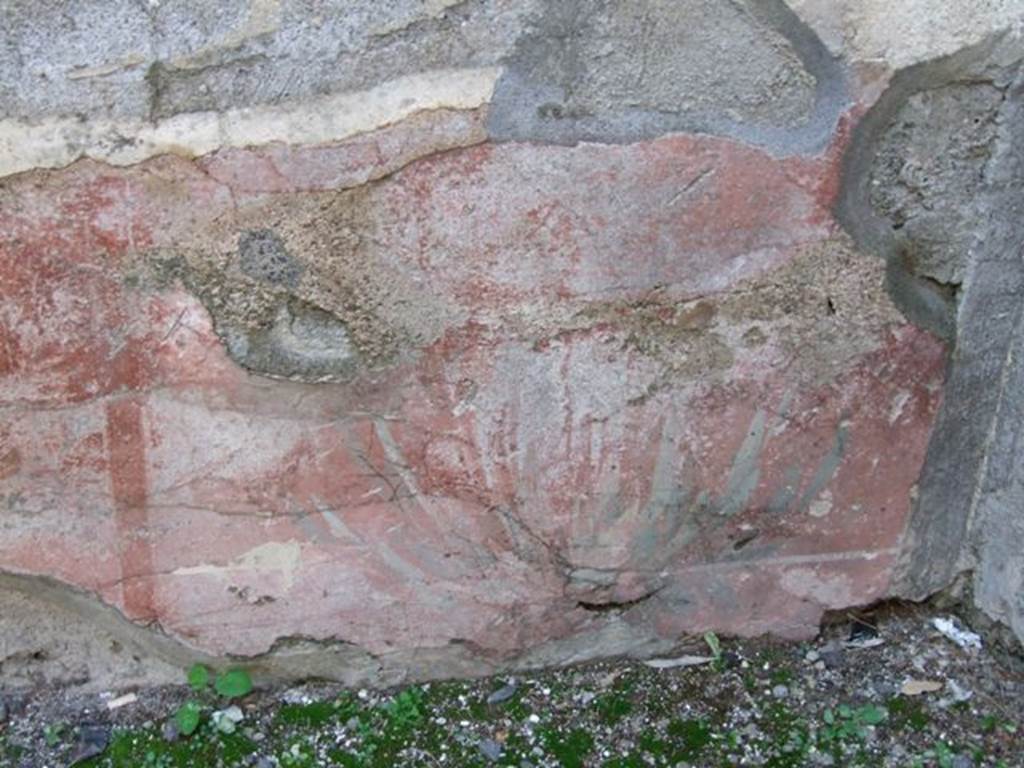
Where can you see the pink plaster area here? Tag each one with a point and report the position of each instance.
(486, 482)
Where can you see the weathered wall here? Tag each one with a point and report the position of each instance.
(432, 338)
(970, 513)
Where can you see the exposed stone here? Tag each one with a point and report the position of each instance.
(901, 33)
(955, 198)
(152, 61)
(302, 342)
(928, 173)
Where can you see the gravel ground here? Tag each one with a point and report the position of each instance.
(887, 689)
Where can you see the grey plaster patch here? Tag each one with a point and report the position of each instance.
(301, 51)
(972, 492)
(997, 523)
(53, 634)
(302, 342)
(595, 70)
(997, 527)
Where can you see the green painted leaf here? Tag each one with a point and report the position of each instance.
(198, 677)
(233, 683)
(187, 717)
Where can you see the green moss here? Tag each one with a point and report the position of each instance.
(789, 737)
(9, 753)
(690, 736)
(407, 728)
(569, 749)
(906, 712)
(146, 748)
(630, 761)
(307, 715)
(612, 707)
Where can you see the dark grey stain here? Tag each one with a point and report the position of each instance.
(262, 256)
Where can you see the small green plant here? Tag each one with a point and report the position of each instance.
(714, 645)
(693, 736)
(53, 733)
(230, 684)
(848, 723)
(233, 684)
(406, 709)
(187, 717)
(943, 755)
(198, 677)
(370, 741)
(904, 712)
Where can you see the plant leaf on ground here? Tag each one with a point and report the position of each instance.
(233, 683)
(198, 677)
(187, 717)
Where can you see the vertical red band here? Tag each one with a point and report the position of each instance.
(127, 454)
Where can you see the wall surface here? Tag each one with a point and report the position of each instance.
(378, 340)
